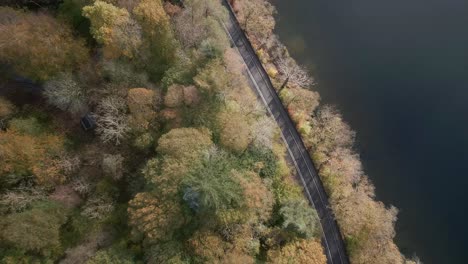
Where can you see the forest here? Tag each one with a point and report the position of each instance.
(183, 164)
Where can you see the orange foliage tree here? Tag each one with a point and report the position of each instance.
(37, 45)
(23, 155)
(155, 218)
(298, 252)
(141, 103)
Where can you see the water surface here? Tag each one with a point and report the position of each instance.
(398, 70)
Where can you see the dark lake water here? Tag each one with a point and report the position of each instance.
(398, 71)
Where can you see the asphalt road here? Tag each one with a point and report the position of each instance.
(261, 84)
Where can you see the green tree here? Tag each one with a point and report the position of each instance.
(210, 186)
(37, 229)
(71, 11)
(171, 252)
(158, 39)
(198, 27)
(300, 218)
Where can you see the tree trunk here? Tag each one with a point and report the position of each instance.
(283, 85)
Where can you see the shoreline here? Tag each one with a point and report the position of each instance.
(305, 123)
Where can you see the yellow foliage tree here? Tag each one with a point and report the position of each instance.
(152, 16)
(235, 131)
(114, 28)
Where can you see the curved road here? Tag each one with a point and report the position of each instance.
(260, 82)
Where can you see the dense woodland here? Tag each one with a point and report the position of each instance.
(184, 165)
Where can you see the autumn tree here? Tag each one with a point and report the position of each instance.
(37, 229)
(235, 131)
(114, 29)
(111, 120)
(37, 45)
(258, 198)
(197, 26)
(181, 150)
(213, 77)
(300, 103)
(329, 131)
(300, 252)
(172, 252)
(185, 143)
(340, 169)
(141, 104)
(367, 224)
(65, 93)
(256, 18)
(158, 38)
(124, 74)
(111, 256)
(155, 218)
(292, 74)
(174, 96)
(208, 246)
(22, 155)
(6, 109)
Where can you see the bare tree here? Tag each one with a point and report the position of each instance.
(82, 186)
(65, 93)
(292, 73)
(189, 31)
(111, 120)
(263, 131)
(19, 199)
(97, 208)
(112, 166)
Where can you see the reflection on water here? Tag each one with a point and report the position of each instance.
(398, 70)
